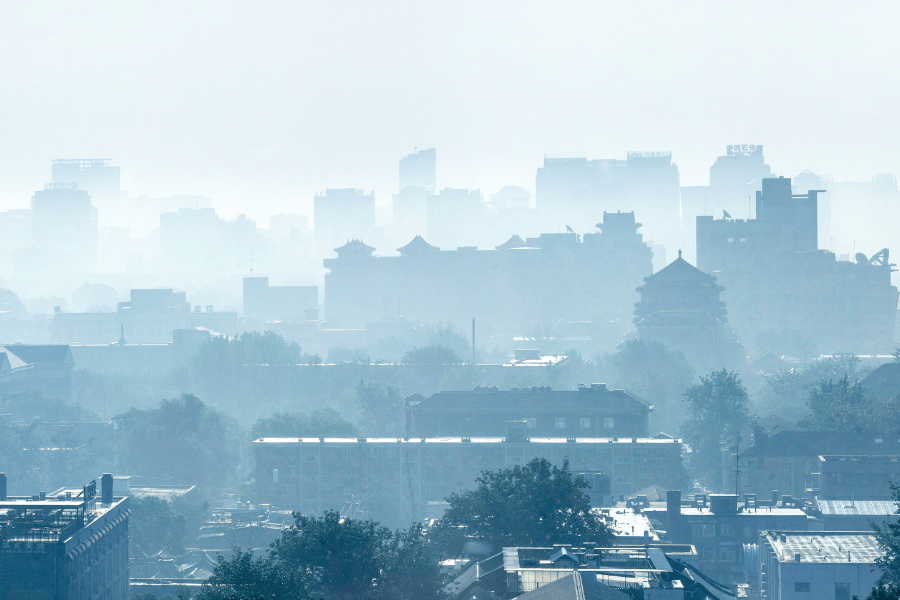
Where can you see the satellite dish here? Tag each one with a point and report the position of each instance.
(861, 258)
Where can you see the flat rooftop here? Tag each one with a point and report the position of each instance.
(458, 440)
(857, 507)
(824, 546)
(762, 511)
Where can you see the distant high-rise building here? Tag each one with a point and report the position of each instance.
(340, 215)
(743, 164)
(96, 175)
(576, 191)
(419, 170)
(64, 233)
(456, 218)
(733, 180)
(777, 281)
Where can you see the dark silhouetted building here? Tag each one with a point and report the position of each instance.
(680, 307)
(553, 277)
(776, 280)
(66, 545)
(594, 411)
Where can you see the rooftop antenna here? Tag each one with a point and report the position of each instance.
(251, 263)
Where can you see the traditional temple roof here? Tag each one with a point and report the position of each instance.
(355, 247)
(417, 247)
(681, 271)
(514, 242)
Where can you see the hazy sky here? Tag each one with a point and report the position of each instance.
(260, 104)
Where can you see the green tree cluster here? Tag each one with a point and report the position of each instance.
(334, 559)
(843, 406)
(181, 440)
(382, 408)
(719, 409)
(432, 355)
(655, 373)
(325, 422)
(536, 504)
(220, 355)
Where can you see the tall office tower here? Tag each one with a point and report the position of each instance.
(456, 218)
(576, 192)
(418, 170)
(101, 180)
(340, 215)
(64, 231)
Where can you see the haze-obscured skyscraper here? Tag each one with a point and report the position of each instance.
(419, 170)
(340, 215)
(96, 175)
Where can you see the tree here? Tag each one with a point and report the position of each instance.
(719, 410)
(243, 577)
(888, 535)
(182, 439)
(154, 526)
(656, 373)
(222, 354)
(325, 422)
(31, 404)
(333, 558)
(842, 406)
(883, 592)
(382, 408)
(537, 504)
(432, 355)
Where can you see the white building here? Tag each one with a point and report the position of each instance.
(802, 565)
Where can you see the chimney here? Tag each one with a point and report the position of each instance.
(796, 557)
(106, 488)
(3, 497)
(673, 512)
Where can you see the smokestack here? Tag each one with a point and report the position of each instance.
(106, 488)
(3, 487)
(673, 512)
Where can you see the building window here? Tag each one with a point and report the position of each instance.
(703, 530)
(730, 240)
(660, 472)
(801, 586)
(727, 528)
(584, 422)
(727, 555)
(609, 423)
(560, 422)
(531, 423)
(841, 591)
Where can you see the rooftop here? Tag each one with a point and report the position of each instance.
(824, 546)
(857, 507)
(457, 440)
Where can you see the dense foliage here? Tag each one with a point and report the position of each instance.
(657, 374)
(537, 504)
(334, 559)
(843, 406)
(182, 440)
(382, 408)
(250, 348)
(718, 410)
(325, 422)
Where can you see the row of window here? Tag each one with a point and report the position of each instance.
(583, 423)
